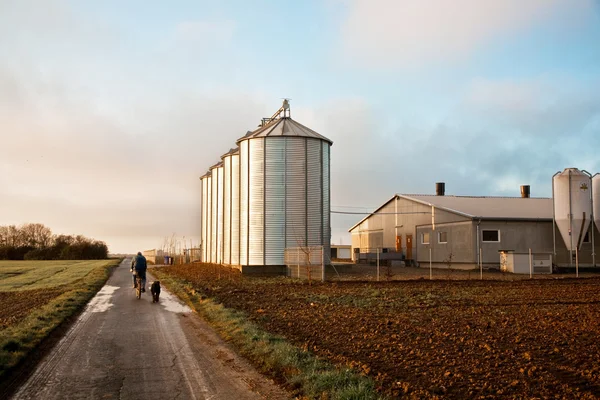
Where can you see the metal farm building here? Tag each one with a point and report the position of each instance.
(467, 231)
(269, 194)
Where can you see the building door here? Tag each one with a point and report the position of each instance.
(409, 247)
(399, 243)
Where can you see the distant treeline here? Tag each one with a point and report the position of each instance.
(36, 242)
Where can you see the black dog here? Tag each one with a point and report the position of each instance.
(155, 290)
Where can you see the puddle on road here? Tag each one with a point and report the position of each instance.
(172, 304)
(101, 302)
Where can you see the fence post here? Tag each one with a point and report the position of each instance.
(298, 261)
(378, 264)
(576, 262)
(430, 267)
(530, 265)
(322, 264)
(480, 264)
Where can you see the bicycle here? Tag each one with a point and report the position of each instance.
(138, 286)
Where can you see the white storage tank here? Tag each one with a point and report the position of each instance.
(205, 215)
(596, 198)
(216, 213)
(231, 207)
(572, 205)
(284, 191)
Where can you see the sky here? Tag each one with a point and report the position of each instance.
(111, 110)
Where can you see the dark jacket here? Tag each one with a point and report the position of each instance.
(139, 263)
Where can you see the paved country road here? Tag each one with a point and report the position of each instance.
(124, 348)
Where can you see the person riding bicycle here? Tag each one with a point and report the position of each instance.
(140, 266)
(133, 270)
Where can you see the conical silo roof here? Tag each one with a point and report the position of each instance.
(217, 165)
(231, 151)
(283, 127)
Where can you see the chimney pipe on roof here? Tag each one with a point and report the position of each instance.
(525, 192)
(440, 188)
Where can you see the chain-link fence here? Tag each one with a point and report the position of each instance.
(305, 262)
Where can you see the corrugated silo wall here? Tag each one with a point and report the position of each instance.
(244, 148)
(295, 192)
(326, 156)
(203, 218)
(314, 198)
(284, 197)
(227, 210)
(214, 215)
(256, 184)
(207, 248)
(220, 214)
(235, 209)
(274, 218)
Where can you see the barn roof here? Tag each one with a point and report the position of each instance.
(482, 207)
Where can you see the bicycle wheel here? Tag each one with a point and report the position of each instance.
(138, 288)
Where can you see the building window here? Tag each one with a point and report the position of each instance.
(424, 238)
(490, 236)
(442, 237)
(586, 238)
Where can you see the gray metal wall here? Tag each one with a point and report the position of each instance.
(326, 208)
(284, 189)
(460, 247)
(519, 236)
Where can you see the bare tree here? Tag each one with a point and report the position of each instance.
(308, 253)
(36, 235)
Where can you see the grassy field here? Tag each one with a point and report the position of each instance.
(37, 296)
(28, 275)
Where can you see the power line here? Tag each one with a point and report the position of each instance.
(380, 213)
(356, 207)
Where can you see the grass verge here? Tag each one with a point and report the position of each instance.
(303, 372)
(19, 340)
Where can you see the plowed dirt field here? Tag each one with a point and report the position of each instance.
(427, 339)
(14, 306)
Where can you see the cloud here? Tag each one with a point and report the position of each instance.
(388, 33)
(79, 170)
(500, 134)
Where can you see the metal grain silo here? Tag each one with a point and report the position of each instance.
(231, 207)
(596, 199)
(216, 246)
(205, 215)
(284, 190)
(572, 205)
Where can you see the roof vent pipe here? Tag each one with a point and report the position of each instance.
(440, 188)
(525, 192)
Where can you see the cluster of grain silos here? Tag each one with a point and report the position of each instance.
(576, 199)
(268, 194)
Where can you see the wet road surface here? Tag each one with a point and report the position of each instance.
(124, 348)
